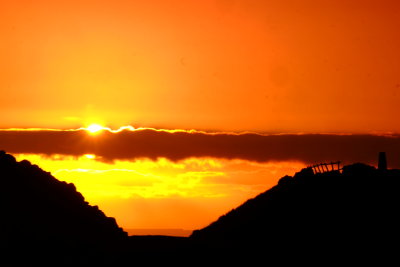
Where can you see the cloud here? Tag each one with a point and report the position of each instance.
(153, 144)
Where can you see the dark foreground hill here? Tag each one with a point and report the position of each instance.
(333, 215)
(44, 218)
(308, 218)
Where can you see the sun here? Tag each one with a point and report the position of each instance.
(94, 128)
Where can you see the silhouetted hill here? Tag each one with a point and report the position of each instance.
(44, 218)
(330, 215)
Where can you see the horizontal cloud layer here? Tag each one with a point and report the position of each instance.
(150, 143)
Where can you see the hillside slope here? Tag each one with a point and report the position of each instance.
(40, 214)
(334, 213)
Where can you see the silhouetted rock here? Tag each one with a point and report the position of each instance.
(46, 218)
(333, 215)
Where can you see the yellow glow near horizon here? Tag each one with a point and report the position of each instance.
(187, 194)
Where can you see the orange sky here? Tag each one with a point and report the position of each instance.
(276, 66)
(271, 66)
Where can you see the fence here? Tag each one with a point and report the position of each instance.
(326, 167)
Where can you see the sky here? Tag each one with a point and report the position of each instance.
(270, 66)
(224, 96)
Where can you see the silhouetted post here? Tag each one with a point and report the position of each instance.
(332, 167)
(315, 169)
(322, 167)
(326, 167)
(382, 164)
(319, 169)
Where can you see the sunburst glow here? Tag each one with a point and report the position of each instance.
(95, 128)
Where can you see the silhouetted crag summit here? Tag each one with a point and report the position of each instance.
(331, 215)
(41, 215)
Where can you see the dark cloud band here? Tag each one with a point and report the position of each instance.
(309, 148)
